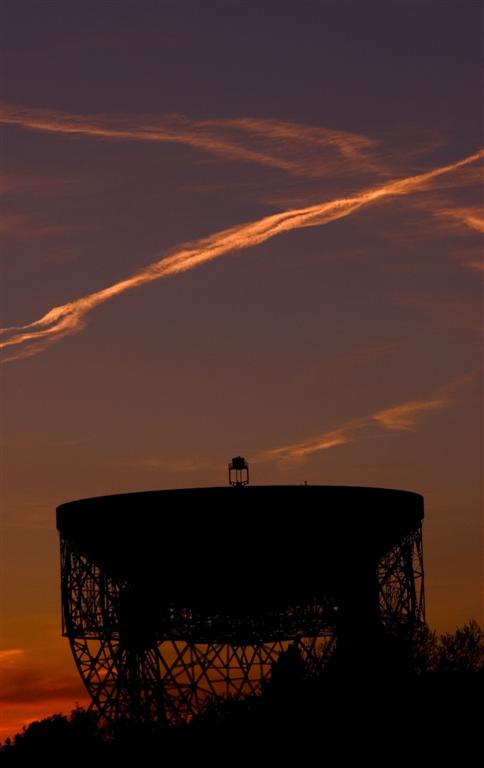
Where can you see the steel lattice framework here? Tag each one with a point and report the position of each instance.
(192, 659)
(147, 658)
(401, 583)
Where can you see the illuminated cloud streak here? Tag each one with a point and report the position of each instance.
(399, 417)
(296, 452)
(31, 690)
(296, 148)
(287, 136)
(267, 142)
(470, 217)
(70, 317)
(9, 657)
(403, 417)
(478, 266)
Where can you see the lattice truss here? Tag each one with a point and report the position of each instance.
(166, 670)
(401, 583)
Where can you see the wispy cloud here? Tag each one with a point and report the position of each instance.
(308, 148)
(29, 692)
(471, 217)
(24, 679)
(478, 266)
(22, 183)
(452, 216)
(295, 452)
(406, 415)
(22, 227)
(68, 318)
(10, 657)
(402, 417)
(272, 143)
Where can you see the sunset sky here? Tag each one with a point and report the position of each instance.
(235, 227)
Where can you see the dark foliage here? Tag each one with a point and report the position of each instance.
(418, 692)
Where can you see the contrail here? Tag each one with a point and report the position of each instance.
(68, 318)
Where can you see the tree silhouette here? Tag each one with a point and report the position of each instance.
(462, 651)
(440, 678)
(54, 736)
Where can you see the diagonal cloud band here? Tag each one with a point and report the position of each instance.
(68, 318)
(399, 418)
(402, 417)
(265, 141)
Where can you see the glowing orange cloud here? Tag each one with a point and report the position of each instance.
(298, 451)
(398, 417)
(68, 318)
(403, 417)
(351, 146)
(9, 657)
(477, 265)
(37, 676)
(226, 138)
(471, 217)
(452, 216)
(30, 692)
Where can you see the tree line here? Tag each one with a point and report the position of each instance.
(422, 688)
